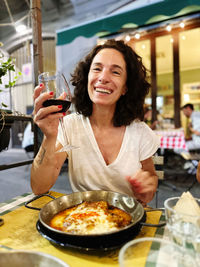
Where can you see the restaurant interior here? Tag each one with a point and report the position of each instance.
(55, 35)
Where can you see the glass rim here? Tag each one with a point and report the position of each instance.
(48, 75)
(166, 206)
(147, 239)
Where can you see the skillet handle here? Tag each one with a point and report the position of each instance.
(33, 199)
(154, 225)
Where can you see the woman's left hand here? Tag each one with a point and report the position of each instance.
(144, 183)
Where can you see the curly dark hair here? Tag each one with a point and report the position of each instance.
(129, 106)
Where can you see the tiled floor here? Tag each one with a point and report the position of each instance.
(16, 181)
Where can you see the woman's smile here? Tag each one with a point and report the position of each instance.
(103, 90)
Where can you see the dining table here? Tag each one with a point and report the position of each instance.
(172, 138)
(19, 232)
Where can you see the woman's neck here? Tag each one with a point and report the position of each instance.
(102, 117)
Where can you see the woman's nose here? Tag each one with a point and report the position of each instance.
(104, 76)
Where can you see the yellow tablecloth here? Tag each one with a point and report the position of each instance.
(19, 232)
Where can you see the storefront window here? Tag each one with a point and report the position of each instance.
(189, 52)
(189, 49)
(142, 48)
(164, 72)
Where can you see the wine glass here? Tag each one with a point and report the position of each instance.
(184, 227)
(152, 251)
(57, 83)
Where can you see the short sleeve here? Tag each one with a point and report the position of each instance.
(149, 142)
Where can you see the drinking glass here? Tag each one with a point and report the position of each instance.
(184, 229)
(151, 251)
(57, 83)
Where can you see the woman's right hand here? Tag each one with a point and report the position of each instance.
(47, 164)
(47, 118)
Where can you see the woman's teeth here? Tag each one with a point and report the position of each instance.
(100, 90)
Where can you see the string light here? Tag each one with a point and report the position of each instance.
(20, 28)
(169, 28)
(137, 36)
(182, 25)
(127, 38)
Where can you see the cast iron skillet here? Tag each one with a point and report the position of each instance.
(92, 241)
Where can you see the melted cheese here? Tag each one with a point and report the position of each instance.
(90, 218)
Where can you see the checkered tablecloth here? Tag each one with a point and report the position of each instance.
(172, 139)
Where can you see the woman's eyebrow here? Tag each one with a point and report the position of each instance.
(96, 63)
(113, 66)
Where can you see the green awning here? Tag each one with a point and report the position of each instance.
(155, 13)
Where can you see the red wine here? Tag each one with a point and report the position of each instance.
(56, 102)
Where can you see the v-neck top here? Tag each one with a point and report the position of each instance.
(87, 167)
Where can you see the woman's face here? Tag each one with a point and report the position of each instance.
(107, 77)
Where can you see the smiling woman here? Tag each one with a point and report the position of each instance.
(115, 145)
(107, 76)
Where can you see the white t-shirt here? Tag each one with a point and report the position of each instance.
(87, 168)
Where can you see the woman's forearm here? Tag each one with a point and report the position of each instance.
(45, 168)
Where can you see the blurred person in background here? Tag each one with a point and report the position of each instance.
(115, 146)
(194, 126)
(148, 118)
(194, 143)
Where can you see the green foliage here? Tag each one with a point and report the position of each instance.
(5, 68)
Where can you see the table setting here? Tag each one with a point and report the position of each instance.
(20, 232)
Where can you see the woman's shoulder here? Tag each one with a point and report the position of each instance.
(141, 128)
(138, 125)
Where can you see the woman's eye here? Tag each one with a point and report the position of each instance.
(116, 72)
(96, 69)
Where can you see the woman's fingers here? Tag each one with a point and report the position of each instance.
(37, 91)
(40, 99)
(143, 182)
(144, 185)
(47, 111)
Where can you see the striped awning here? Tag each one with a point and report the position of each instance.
(144, 16)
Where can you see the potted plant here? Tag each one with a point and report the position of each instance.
(6, 65)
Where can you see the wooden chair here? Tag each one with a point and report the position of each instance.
(158, 162)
